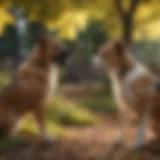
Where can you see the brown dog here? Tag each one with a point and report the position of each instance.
(134, 88)
(35, 80)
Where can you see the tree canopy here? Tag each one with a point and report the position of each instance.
(111, 12)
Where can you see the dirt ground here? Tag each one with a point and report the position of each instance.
(85, 144)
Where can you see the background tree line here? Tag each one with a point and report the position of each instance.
(108, 19)
(122, 17)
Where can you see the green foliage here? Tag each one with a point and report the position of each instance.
(86, 44)
(93, 35)
(9, 42)
(45, 10)
(34, 27)
(68, 113)
(89, 39)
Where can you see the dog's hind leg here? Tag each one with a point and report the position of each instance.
(123, 117)
(8, 122)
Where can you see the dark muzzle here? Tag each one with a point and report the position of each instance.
(61, 58)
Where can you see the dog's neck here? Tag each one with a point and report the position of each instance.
(125, 68)
(39, 59)
(121, 70)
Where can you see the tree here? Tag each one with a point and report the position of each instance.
(94, 33)
(45, 10)
(34, 28)
(127, 18)
(10, 44)
(109, 11)
(87, 43)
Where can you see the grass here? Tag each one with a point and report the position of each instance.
(68, 113)
(101, 101)
(7, 143)
(30, 130)
(103, 104)
(5, 76)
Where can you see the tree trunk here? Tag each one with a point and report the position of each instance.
(127, 18)
(127, 29)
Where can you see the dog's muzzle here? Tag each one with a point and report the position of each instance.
(61, 58)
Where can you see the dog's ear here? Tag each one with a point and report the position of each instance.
(119, 47)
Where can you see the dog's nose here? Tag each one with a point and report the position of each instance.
(61, 57)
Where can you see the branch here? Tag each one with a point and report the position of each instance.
(118, 5)
(133, 6)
